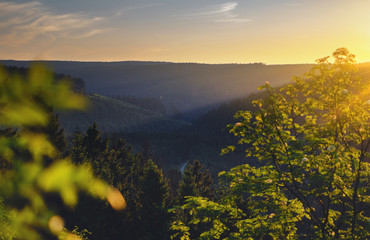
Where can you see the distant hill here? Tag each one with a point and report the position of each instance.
(113, 115)
(151, 104)
(215, 120)
(123, 114)
(78, 84)
(187, 90)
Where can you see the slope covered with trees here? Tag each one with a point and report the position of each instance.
(186, 89)
(114, 115)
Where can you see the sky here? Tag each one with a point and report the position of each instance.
(203, 31)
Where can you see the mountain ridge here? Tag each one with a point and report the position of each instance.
(186, 89)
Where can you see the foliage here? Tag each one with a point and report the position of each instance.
(139, 179)
(311, 180)
(196, 182)
(116, 164)
(81, 234)
(205, 220)
(154, 193)
(26, 186)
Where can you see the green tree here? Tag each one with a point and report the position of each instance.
(116, 163)
(196, 182)
(52, 130)
(187, 186)
(55, 132)
(95, 145)
(78, 149)
(26, 184)
(311, 140)
(154, 193)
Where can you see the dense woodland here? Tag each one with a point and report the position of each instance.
(297, 164)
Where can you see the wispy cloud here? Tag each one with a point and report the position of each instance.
(23, 22)
(218, 13)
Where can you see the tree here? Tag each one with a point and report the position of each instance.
(95, 145)
(52, 130)
(116, 163)
(311, 140)
(78, 149)
(154, 193)
(196, 182)
(26, 184)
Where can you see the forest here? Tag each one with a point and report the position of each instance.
(294, 164)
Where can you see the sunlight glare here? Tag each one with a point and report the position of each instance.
(116, 200)
(56, 224)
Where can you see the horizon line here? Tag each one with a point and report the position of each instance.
(160, 61)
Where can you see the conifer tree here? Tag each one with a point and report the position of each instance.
(55, 133)
(196, 182)
(188, 187)
(93, 142)
(153, 214)
(78, 149)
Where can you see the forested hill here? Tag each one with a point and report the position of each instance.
(188, 90)
(114, 115)
(119, 114)
(215, 120)
(78, 84)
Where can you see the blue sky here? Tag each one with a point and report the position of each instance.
(271, 31)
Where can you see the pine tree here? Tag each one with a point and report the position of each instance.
(93, 142)
(123, 169)
(196, 182)
(56, 134)
(78, 150)
(153, 215)
(188, 186)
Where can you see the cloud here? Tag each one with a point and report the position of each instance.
(22, 22)
(217, 13)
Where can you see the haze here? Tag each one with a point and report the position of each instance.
(268, 31)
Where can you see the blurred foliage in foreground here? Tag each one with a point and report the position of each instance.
(32, 170)
(311, 174)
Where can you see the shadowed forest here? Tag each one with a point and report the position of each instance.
(146, 150)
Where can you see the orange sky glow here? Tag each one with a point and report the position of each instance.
(272, 32)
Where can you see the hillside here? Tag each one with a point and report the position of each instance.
(113, 115)
(186, 89)
(215, 121)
